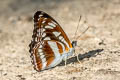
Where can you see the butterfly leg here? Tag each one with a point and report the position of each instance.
(77, 56)
(65, 59)
(65, 62)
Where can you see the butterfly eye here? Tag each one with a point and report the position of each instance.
(74, 43)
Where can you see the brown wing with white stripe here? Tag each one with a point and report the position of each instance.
(46, 30)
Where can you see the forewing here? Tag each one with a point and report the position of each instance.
(50, 28)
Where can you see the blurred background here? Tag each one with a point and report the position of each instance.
(98, 50)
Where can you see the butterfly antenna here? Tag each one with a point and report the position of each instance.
(77, 55)
(77, 27)
(83, 32)
(76, 38)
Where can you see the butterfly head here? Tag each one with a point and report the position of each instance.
(74, 43)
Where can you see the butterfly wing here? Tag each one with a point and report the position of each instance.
(49, 42)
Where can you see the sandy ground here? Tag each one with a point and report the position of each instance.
(98, 48)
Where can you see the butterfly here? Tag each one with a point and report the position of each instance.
(50, 44)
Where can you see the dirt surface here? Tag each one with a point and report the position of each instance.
(98, 48)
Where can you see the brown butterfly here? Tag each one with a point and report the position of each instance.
(50, 45)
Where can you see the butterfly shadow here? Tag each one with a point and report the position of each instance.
(82, 56)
